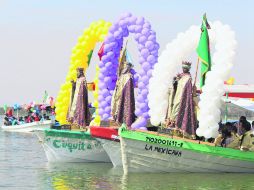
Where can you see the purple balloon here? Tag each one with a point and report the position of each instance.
(140, 98)
(101, 111)
(117, 34)
(142, 105)
(108, 109)
(150, 73)
(144, 52)
(104, 58)
(105, 116)
(123, 23)
(152, 37)
(103, 104)
(145, 32)
(140, 21)
(105, 93)
(141, 85)
(108, 99)
(138, 29)
(143, 128)
(108, 64)
(102, 85)
(109, 38)
(146, 66)
(141, 60)
(144, 92)
(100, 98)
(146, 115)
(142, 39)
(142, 73)
(132, 20)
(151, 58)
(149, 45)
(125, 33)
(132, 28)
(138, 112)
(137, 36)
(145, 79)
(147, 25)
(107, 80)
(100, 64)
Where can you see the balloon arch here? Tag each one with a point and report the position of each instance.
(80, 57)
(148, 50)
(166, 68)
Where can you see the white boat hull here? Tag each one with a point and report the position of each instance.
(113, 149)
(139, 156)
(28, 127)
(64, 149)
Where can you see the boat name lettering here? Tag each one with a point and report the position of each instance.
(72, 146)
(163, 150)
(163, 141)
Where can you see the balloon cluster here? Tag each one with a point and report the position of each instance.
(210, 99)
(170, 59)
(166, 68)
(148, 49)
(80, 57)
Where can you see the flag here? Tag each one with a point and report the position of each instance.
(45, 97)
(89, 57)
(203, 51)
(101, 51)
(91, 86)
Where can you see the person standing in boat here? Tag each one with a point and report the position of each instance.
(181, 111)
(78, 113)
(123, 102)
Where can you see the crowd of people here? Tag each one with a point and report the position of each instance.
(10, 119)
(238, 135)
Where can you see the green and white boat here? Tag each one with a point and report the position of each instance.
(71, 146)
(152, 152)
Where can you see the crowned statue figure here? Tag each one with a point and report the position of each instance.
(78, 113)
(123, 102)
(181, 111)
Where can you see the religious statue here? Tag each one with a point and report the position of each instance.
(181, 111)
(78, 113)
(123, 102)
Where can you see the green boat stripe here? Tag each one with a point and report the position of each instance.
(68, 134)
(185, 145)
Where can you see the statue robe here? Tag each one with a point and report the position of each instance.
(123, 102)
(181, 106)
(79, 111)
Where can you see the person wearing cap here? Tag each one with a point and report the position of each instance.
(181, 111)
(78, 113)
(123, 101)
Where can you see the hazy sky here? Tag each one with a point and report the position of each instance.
(36, 37)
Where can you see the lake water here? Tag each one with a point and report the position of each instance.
(23, 165)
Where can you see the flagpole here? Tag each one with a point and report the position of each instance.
(226, 111)
(196, 73)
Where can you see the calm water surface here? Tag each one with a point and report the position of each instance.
(23, 165)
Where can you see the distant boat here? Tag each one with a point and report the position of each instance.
(27, 127)
(71, 146)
